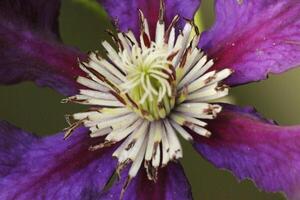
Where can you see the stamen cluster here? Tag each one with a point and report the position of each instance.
(147, 93)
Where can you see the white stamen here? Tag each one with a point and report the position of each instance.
(119, 135)
(171, 41)
(96, 94)
(181, 131)
(124, 41)
(150, 145)
(80, 116)
(137, 162)
(201, 81)
(165, 146)
(101, 132)
(160, 30)
(100, 102)
(175, 147)
(91, 84)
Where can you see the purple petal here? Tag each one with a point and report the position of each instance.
(254, 148)
(30, 47)
(126, 12)
(254, 38)
(51, 168)
(171, 185)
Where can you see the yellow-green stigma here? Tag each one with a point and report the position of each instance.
(150, 82)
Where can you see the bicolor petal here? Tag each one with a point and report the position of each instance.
(171, 185)
(30, 48)
(254, 148)
(254, 38)
(51, 168)
(126, 12)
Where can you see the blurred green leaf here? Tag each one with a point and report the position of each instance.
(83, 24)
(92, 5)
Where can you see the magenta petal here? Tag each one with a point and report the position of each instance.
(171, 185)
(252, 147)
(30, 48)
(51, 168)
(126, 11)
(254, 37)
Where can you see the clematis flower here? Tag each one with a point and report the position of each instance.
(155, 84)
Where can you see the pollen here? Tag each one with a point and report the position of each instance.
(147, 92)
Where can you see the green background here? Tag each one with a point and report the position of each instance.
(82, 24)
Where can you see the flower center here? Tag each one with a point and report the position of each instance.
(147, 93)
(149, 81)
